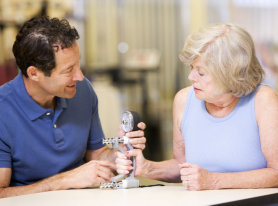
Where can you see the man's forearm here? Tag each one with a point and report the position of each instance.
(108, 154)
(104, 153)
(55, 182)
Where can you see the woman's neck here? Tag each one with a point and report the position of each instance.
(222, 107)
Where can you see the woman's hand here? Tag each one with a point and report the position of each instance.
(136, 138)
(195, 177)
(124, 164)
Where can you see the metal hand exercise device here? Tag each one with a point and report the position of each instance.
(129, 123)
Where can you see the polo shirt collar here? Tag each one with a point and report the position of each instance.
(32, 109)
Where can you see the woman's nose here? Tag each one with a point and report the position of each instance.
(192, 75)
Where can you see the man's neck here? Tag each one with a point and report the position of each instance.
(38, 95)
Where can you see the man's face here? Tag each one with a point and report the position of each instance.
(63, 78)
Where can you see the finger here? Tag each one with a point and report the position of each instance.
(123, 146)
(122, 171)
(123, 166)
(123, 162)
(121, 132)
(99, 180)
(104, 168)
(185, 184)
(120, 155)
(113, 166)
(102, 172)
(106, 164)
(134, 153)
(186, 171)
(184, 178)
(187, 178)
(135, 134)
(139, 146)
(190, 188)
(185, 165)
(138, 143)
(193, 187)
(139, 140)
(141, 125)
(104, 176)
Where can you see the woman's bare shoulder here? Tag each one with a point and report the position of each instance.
(266, 102)
(266, 94)
(180, 102)
(181, 96)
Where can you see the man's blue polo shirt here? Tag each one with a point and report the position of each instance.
(37, 143)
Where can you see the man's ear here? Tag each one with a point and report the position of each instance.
(33, 73)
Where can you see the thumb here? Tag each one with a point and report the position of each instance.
(120, 132)
(141, 125)
(113, 166)
(106, 163)
(120, 155)
(185, 165)
(134, 153)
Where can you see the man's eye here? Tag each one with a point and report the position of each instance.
(68, 70)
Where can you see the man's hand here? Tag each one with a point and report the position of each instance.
(87, 175)
(196, 178)
(92, 173)
(137, 139)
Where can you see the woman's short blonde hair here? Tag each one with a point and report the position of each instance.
(229, 53)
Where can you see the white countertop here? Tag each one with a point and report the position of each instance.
(170, 194)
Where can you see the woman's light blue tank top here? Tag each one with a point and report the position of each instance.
(229, 144)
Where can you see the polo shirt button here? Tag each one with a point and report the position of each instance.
(55, 125)
(48, 113)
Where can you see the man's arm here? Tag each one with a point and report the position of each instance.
(87, 175)
(6, 191)
(104, 153)
(98, 169)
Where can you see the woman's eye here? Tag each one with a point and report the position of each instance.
(201, 74)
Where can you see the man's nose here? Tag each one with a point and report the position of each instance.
(78, 76)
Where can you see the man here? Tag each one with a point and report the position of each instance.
(49, 124)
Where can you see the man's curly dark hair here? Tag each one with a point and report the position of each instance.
(37, 41)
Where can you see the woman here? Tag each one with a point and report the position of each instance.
(225, 126)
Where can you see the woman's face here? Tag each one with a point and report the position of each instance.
(204, 85)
